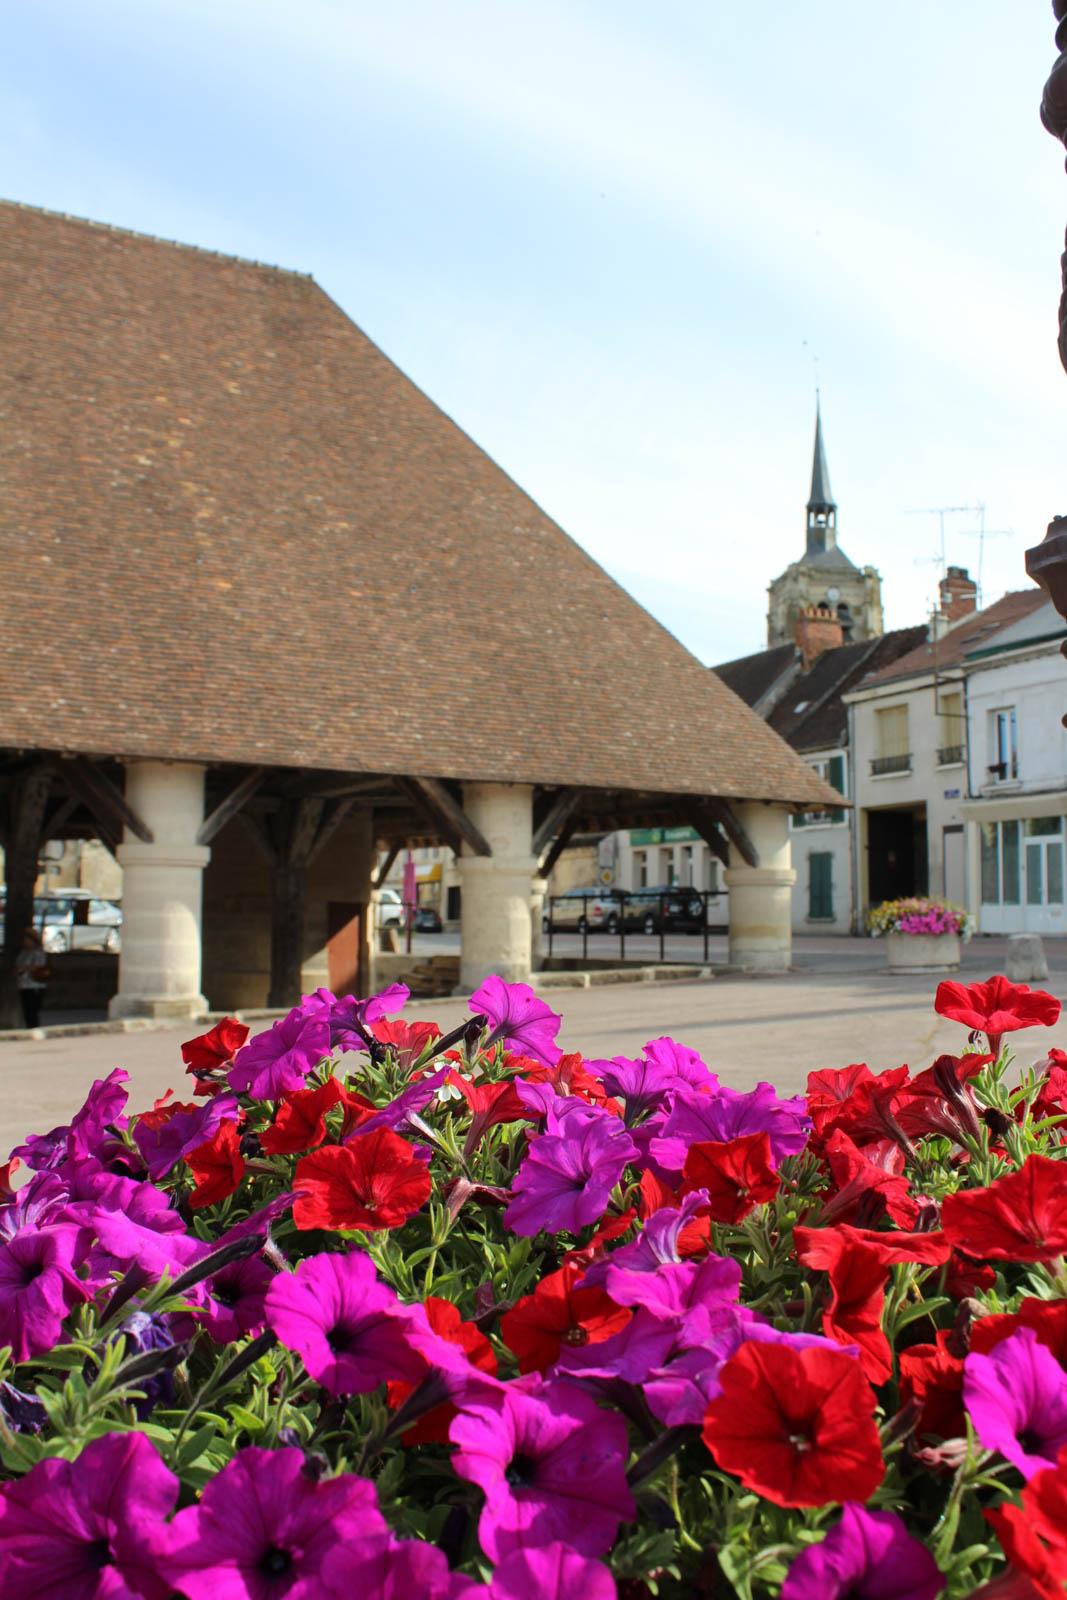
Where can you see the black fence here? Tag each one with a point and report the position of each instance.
(617, 912)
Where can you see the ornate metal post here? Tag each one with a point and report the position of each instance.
(1047, 562)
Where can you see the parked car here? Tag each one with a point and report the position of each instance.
(390, 909)
(77, 920)
(679, 910)
(582, 908)
(428, 920)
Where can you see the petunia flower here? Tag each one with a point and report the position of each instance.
(1048, 1318)
(217, 1165)
(736, 1176)
(444, 1320)
(551, 1572)
(263, 1529)
(559, 1313)
(279, 1059)
(1034, 1538)
(349, 1328)
(1019, 1217)
(407, 1040)
(235, 1300)
(490, 1104)
(868, 1555)
(931, 1377)
(300, 1121)
(38, 1288)
(519, 1017)
(211, 1053)
(399, 1112)
(19, 1411)
(552, 1466)
(385, 1568)
(165, 1135)
(86, 1130)
(566, 1178)
(375, 1181)
(728, 1114)
(88, 1529)
(796, 1426)
(350, 1020)
(996, 1007)
(1017, 1399)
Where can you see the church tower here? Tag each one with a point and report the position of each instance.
(824, 576)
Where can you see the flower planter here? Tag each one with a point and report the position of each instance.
(923, 952)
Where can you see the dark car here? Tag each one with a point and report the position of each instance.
(678, 910)
(427, 920)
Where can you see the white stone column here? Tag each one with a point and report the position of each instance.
(538, 893)
(495, 928)
(159, 968)
(761, 930)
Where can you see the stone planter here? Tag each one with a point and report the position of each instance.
(923, 952)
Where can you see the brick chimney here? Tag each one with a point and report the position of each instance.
(818, 629)
(959, 594)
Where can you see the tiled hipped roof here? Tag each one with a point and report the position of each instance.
(232, 530)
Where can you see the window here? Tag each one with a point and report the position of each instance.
(832, 770)
(1023, 858)
(1003, 745)
(951, 729)
(641, 869)
(688, 880)
(891, 741)
(713, 874)
(820, 886)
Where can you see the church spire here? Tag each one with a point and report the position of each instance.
(822, 508)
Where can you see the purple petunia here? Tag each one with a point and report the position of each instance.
(868, 1555)
(87, 1129)
(384, 1568)
(553, 1572)
(235, 1301)
(276, 1062)
(163, 1146)
(350, 1019)
(263, 1529)
(349, 1328)
(415, 1098)
(566, 1178)
(520, 1018)
(38, 1288)
(88, 1529)
(1017, 1399)
(728, 1114)
(552, 1466)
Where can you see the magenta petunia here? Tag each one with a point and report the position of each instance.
(263, 1529)
(519, 1018)
(39, 1287)
(552, 1466)
(868, 1555)
(384, 1568)
(553, 1572)
(727, 1114)
(350, 1019)
(235, 1300)
(277, 1061)
(1017, 1399)
(415, 1098)
(350, 1329)
(164, 1143)
(86, 1130)
(90, 1529)
(566, 1178)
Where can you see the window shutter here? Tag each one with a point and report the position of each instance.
(820, 886)
(836, 778)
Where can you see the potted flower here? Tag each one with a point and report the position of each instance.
(922, 935)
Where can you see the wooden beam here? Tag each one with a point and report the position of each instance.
(335, 813)
(303, 826)
(557, 848)
(59, 818)
(383, 871)
(256, 830)
(101, 799)
(435, 800)
(727, 818)
(230, 805)
(558, 815)
(709, 831)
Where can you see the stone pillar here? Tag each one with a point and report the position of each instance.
(761, 899)
(538, 893)
(159, 968)
(495, 929)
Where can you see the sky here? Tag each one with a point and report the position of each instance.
(621, 242)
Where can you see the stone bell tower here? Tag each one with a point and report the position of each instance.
(824, 576)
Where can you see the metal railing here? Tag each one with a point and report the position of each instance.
(619, 911)
(883, 764)
(951, 755)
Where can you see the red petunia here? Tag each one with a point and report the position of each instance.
(1034, 1535)
(407, 1039)
(796, 1426)
(490, 1104)
(857, 1294)
(212, 1051)
(559, 1314)
(300, 1123)
(830, 1091)
(445, 1320)
(931, 1376)
(938, 1102)
(1048, 1318)
(870, 1181)
(612, 1228)
(569, 1076)
(1051, 1097)
(217, 1166)
(737, 1173)
(7, 1172)
(996, 1007)
(1020, 1217)
(376, 1181)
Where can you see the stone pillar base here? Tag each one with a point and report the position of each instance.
(186, 1008)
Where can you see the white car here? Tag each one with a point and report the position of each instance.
(78, 921)
(390, 909)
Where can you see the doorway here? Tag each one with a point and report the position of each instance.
(896, 853)
(953, 865)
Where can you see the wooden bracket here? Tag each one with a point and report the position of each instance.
(559, 814)
(383, 871)
(556, 849)
(727, 818)
(105, 804)
(435, 801)
(335, 813)
(709, 831)
(230, 805)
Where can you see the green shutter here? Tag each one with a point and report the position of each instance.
(836, 778)
(820, 886)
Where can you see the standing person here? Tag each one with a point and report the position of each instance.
(31, 967)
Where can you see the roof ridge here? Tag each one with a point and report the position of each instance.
(155, 238)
